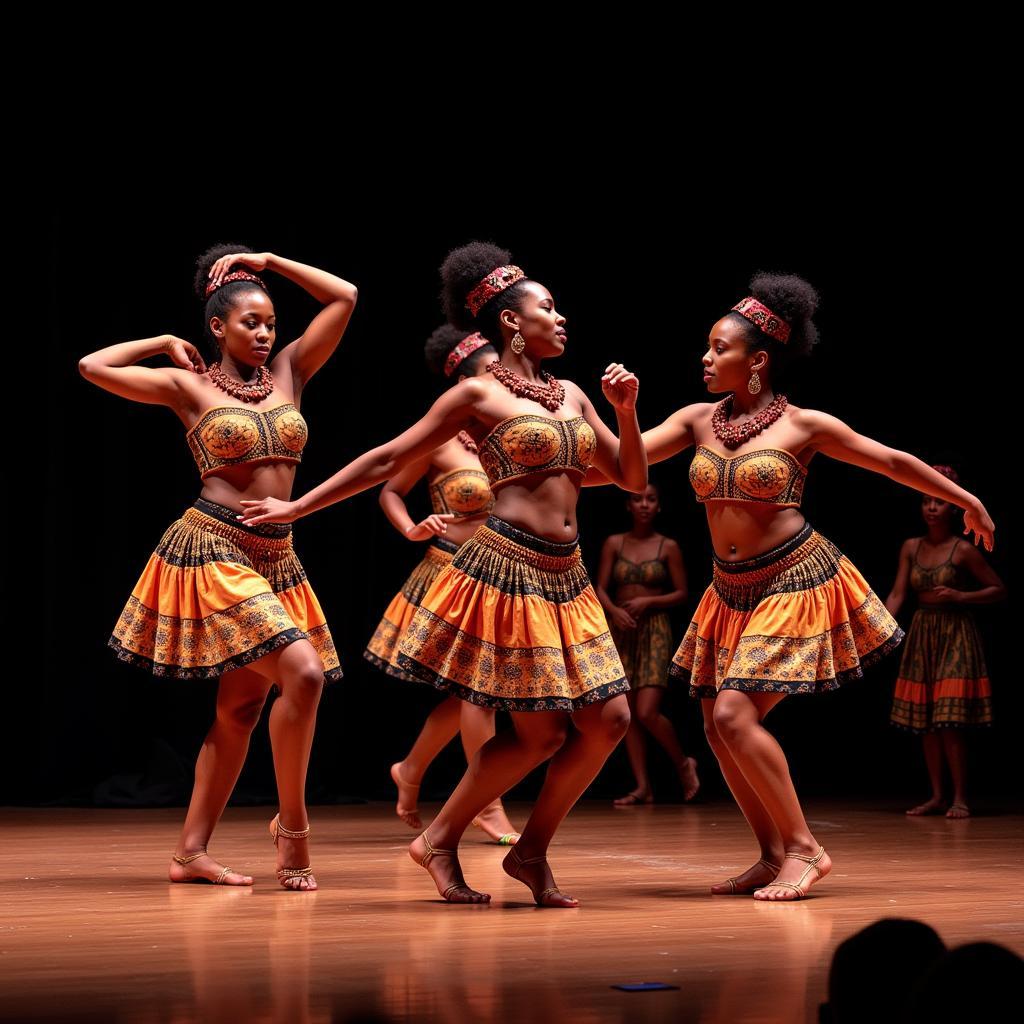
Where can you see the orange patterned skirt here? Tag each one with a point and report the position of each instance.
(217, 595)
(382, 650)
(942, 682)
(797, 619)
(514, 623)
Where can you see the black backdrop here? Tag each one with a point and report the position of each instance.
(909, 355)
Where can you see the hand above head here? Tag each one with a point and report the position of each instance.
(268, 510)
(433, 526)
(252, 260)
(620, 387)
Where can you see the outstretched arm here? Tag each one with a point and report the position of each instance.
(832, 437)
(451, 413)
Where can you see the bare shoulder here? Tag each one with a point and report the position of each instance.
(670, 544)
(613, 539)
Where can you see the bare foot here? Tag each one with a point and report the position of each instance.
(799, 872)
(204, 868)
(688, 777)
(536, 875)
(756, 877)
(444, 868)
(934, 806)
(958, 811)
(494, 821)
(638, 796)
(408, 798)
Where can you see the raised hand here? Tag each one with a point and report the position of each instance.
(184, 354)
(620, 387)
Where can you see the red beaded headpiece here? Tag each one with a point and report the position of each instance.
(493, 284)
(235, 275)
(469, 344)
(761, 316)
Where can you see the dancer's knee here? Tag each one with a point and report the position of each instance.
(242, 716)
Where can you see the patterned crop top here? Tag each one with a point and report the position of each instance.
(462, 492)
(230, 435)
(521, 445)
(946, 574)
(769, 475)
(651, 572)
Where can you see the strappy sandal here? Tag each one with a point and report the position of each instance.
(958, 807)
(735, 889)
(446, 895)
(633, 799)
(519, 863)
(185, 861)
(797, 886)
(283, 874)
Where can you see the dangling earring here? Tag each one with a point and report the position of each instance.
(517, 344)
(754, 384)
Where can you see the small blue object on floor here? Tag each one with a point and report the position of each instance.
(646, 986)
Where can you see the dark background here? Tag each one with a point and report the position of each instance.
(909, 355)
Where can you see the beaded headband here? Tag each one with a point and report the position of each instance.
(235, 275)
(493, 284)
(469, 344)
(762, 317)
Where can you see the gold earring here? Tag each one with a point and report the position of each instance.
(517, 344)
(754, 384)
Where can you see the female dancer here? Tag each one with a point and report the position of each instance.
(786, 612)
(223, 599)
(461, 499)
(513, 621)
(943, 685)
(642, 633)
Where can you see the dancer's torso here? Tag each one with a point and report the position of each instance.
(535, 459)
(936, 566)
(458, 486)
(644, 573)
(752, 493)
(244, 450)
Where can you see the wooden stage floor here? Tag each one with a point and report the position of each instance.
(90, 930)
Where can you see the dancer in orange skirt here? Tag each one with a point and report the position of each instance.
(513, 621)
(461, 498)
(787, 612)
(647, 582)
(219, 598)
(943, 686)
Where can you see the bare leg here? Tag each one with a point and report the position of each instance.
(932, 743)
(648, 710)
(299, 674)
(597, 730)
(955, 747)
(240, 698)
(758, 818)
(477, 725)
(737, 717)
(498, 765)
(636, 749)
(438, 731)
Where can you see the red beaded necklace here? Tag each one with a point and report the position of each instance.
(733, 435)
(551, 394)
(467, 442)
(254, 390)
